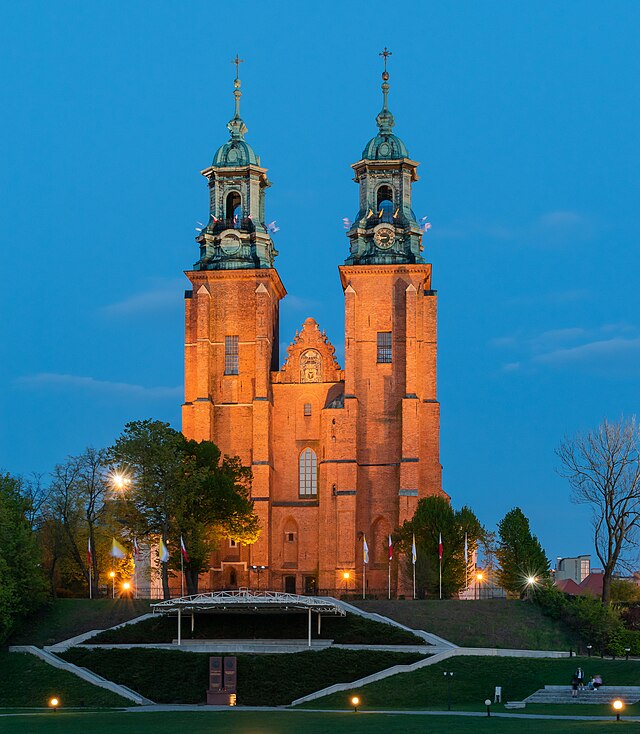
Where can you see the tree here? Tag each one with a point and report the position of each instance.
(519, 554)
(183, 488)
(603, 469)
(434, 516)
(22, 584)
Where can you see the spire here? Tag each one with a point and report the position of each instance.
(385, 119)
(236, 125)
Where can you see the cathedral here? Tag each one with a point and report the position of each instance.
(340, 454)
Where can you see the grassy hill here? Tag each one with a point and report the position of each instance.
(168, 676)
(27, 681)
(65, 618)
(475, 678)
(484, 623)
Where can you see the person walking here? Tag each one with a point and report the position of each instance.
(574, 686)
(580, 677)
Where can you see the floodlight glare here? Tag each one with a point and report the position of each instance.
(354, 702)
(126, 586)
(54, 702)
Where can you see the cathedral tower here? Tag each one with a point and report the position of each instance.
(231, 343)
(390, 342)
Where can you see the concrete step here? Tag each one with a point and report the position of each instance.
(604, 695)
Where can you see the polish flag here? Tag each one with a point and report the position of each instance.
(390, 548)
(440, 546)
(136, 550)
(183, 550)
(89, 555)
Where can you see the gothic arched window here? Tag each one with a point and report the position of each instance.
(384, 201)
(234, 208)
(308, 474)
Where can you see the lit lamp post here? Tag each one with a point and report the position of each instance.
(618, 705)
(355, 702)
(54, 702)
(479, 577)
(346, 576)
(589, 648)
(258, 570)
(487, 703)
(448, 676)
(112, 576)
(530, 583)
(126, 587)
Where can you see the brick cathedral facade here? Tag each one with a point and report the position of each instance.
(337, 454)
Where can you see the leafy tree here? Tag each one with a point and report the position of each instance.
(183, 488)
(625, 590)
(519, 553)
(434, 516)
(22, 584)
(603, 469)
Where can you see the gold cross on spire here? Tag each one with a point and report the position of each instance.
(385, 54)
(237, 61)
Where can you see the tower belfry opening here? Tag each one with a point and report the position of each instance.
(337, 453)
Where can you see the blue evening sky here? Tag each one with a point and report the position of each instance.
(524, 116)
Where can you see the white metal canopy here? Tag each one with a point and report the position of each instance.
(244, 600)
(249, 602)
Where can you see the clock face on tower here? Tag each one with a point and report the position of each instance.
(384, 237)
(230, 244)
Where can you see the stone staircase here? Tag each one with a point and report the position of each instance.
(604, 695)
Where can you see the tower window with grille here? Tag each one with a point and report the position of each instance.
(385, 352)
(234, 209)
(231, 355)
(307, 409)
(308, 474)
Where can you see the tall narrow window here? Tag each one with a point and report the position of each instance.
(384, 346)
(231, 355)
(307, 409)
(308, 474)
(234, 208)
(385, 203)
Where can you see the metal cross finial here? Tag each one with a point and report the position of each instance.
(237, 61)
(385, 54)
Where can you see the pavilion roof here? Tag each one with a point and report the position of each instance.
(246, 601)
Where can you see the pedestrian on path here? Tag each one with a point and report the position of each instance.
(574, 686)
(580, 677)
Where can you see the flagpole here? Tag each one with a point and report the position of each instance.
(441, 578)
(90, 586)
(364, 578)
(466, 563)
(181, 571)
(414, 580)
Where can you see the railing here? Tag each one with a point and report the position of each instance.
(245, 224)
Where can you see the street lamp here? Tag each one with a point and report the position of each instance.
(355, 702)
(589, 648)
(54, 702)
(479, 577)
(448, 676)
(618, 705)
(258, 570)
(126, 587)
(530, 582)
(627, 650)
(112, 576)
(346, 576)
(487, 703)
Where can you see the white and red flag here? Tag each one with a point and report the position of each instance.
(390, 548)
(183, 550)
(440, 546)
(89, 555)
(136, 550)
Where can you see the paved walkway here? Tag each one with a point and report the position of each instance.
(158, 708)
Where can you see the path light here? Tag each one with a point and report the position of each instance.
(589, 648)
(54, 702)
(355, 701)
(448, 675)
(618, 705)
(487, 703)
(126, 586)
(627, 650)
(112, 576)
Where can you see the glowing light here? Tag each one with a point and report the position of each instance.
(618, 705)
(126, 586)
(355, 701)
(54, 702)
(531, 580)
(479, 576)
(346, 575)
(120, 481)
(112, 574)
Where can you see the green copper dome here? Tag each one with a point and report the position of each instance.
(235, 153)
(385, 147)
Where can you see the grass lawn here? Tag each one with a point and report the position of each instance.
(241, 722)
(474, 680)
(351, 629)
(485, 623)
(27, 681)
(65, 618)
(167, 676)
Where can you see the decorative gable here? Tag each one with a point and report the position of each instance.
(310, 357)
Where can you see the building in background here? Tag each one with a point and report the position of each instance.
(577, 568)
(339, 455)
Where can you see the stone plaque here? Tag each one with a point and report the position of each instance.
(230, 674)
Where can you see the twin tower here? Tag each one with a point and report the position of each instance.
(337, 454)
